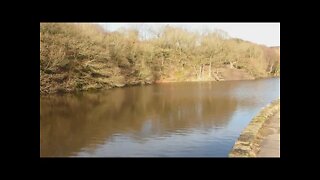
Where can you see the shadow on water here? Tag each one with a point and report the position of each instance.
(71, 123)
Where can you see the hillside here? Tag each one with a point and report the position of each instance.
(79, 57)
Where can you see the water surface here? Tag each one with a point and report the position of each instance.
(190, 119)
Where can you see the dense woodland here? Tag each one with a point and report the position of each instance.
(77, 57)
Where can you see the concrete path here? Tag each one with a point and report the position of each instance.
(270, 145)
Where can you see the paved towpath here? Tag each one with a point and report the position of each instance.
(270, 145)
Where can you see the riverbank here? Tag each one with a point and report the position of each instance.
(253, 137)
(64, 83)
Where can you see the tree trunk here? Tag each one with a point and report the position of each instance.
(232, 64)
(201, 71)
(270, 70)
(215, 74)
(210, 72)
(195, 69)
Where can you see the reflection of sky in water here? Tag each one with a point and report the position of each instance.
(198, 142)
(257, 94)
(179, 119)
(212, 143)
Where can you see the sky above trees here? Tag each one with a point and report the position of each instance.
(261, 33)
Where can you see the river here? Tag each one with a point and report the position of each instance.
(187, 119)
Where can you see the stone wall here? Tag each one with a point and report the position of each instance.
(247, 144)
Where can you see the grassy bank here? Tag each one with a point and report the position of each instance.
(248, 143)
(80, 57)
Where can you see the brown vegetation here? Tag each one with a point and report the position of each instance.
(76, 57)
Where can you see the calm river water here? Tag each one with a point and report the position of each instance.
(189, 119)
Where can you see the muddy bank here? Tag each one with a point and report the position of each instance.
(69, 83)
(248, 144)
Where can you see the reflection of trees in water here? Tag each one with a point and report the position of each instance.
(69, 123)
